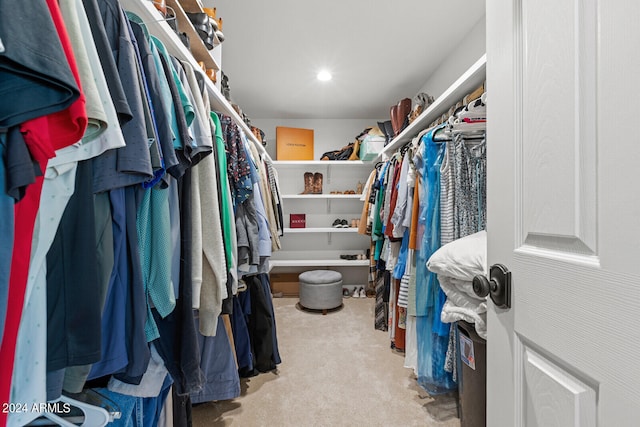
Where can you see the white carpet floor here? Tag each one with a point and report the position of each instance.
(336, 370)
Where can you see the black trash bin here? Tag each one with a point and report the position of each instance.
(472, 376)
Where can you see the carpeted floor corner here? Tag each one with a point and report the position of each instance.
(336, 371)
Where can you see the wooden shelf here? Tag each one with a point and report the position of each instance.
(466, 83)
(321, 196)
(320, 230)
(191, 7)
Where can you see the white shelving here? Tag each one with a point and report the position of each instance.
(338, 175)
(318, 263)
(466, 83)
(321, 230)
(328, 163)
(321, 196)
(319, 245)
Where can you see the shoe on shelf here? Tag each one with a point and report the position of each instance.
(212, 15)
(344, 224)
(354, 223)
(202, 24)
(308, 183)
(317, 183)
(219, 31)
(337, 223)
(356, 293)
(361, 292)
(346, 293)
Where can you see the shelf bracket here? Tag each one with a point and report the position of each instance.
(328, 205)
(328, 175)
(329, 238)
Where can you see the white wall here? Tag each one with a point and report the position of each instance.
(472, 47)
(328, 134)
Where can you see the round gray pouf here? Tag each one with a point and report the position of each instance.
(320, 290)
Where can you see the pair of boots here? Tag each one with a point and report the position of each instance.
(387, 129)
(312, 183)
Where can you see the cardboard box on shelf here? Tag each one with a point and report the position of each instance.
(287, 283)
(294, 143)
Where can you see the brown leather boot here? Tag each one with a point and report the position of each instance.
(317, 183)
(308, 183)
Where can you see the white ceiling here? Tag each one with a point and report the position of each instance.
(378, 51)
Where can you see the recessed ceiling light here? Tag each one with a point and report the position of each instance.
(324, 76)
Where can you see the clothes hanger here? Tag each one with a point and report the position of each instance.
(442, 134)
(94, 416)
(470, 129)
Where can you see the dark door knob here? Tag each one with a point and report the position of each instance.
(481, 286)
(497, 286)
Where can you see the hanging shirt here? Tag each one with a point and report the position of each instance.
(208, 253)
(6, 231)
(57, 190)
(158, 92)
(470, 165)
(42, 135)
(447, 195)
(182, 110)
(97, 118)
(108, 64)
(228, 219)
(201, 143)
(237, 164)
(398, 213)
(131, 164)
(35, 77)
(154, 237)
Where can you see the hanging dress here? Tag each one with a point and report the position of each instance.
(432, 334)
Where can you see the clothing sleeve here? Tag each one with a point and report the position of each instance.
(214, 272)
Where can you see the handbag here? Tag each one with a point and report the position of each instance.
(342, 154)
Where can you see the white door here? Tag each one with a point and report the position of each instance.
(563, 79)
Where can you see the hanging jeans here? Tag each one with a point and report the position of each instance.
(138, 411)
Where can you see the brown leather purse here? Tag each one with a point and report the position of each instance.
(400, 115)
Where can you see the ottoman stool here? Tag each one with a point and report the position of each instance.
(320, 290)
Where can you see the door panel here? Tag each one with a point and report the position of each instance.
(557, 146)
(563, 212)
(552, 397)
